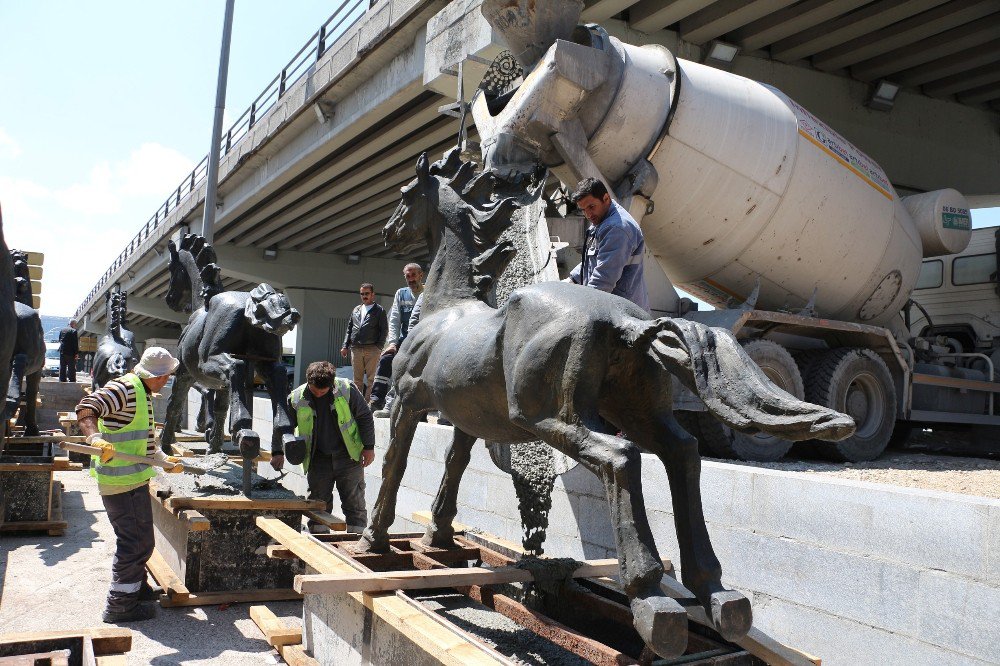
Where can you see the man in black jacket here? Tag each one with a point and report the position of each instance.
(366, 333)
(69, 349)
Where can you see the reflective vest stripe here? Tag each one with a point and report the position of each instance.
(107, 470)
(344, 427)
(122, 436)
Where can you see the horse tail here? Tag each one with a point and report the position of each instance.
(270, 311)
(711, 363)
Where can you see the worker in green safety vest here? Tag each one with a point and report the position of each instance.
(118, 418)
(335, 441)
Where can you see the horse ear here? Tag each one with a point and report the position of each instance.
(423, 169)
(173, 251)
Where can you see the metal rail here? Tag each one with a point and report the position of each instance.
(346, 15)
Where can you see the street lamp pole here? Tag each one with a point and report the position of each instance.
(208, 221)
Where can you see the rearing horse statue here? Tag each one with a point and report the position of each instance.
(115, 353)
(571, 366)
(29, 349)
(228, 333)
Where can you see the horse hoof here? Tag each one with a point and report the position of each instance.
(662, 623)
(438, 538)
(731, 614)
(249, 443)
(369, 543)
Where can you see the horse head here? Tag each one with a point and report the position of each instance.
(413, 221)
(179, 289)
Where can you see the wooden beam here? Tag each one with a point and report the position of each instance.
(195, 521)
(33, 525)
(385, 581)
(106, 640)
(166, 578)
(174, 503)
(231, 597)
(274, 630)
(335, 523)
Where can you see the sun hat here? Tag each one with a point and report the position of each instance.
(156, 362)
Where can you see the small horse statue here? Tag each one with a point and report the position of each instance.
(28, 357)
(8, 327)
(227, 335)
(586, 372)
(115, 353)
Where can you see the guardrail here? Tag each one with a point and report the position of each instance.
(345, 16)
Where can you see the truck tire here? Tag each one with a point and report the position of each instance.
(858, 383)
(779, 366)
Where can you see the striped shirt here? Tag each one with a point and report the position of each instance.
(115, 403)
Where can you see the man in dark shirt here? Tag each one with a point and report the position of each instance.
(336, 441)
(69, 349)
(366, 332)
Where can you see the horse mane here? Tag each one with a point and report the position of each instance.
(488, 201)
(117, 304)
(205, 260)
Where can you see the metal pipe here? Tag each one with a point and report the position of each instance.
(208, 221)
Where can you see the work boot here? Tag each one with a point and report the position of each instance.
(137, 613)
(149, 593)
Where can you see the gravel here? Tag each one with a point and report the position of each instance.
(954, 474)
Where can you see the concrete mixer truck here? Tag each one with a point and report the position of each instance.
(752, 203)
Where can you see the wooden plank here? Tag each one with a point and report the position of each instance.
(274, 630)
(28, 467)
(231, 597)
(34, 526)
(195, 521)
(385, 581)
(237, 502)
(322, 517)
(51, 658)
(166, 578)
(112, 660)
(295, 655)
(106, 640)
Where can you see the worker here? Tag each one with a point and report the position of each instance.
(613, 246)
(118, 418)
(69, 352)
(336, 441)
(399, 326)
(367, 330)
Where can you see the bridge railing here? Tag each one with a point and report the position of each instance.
(345, 16)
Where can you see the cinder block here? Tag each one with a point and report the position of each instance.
(473, 491)
(595, 522)
(959, 614)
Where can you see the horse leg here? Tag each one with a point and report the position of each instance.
(659, 620)
(215, 432)
(241, 409)
(30, 400)
(18, 364)
(176, 408)
(701, 572)
(402, 426)
(276, 381)
(441, 531)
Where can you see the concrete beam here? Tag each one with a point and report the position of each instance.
(143, 333)
(869, 19)
(652, 15)
(721, 17)
(155, 307)
(307, 270)
(89, 325)
(973, 78)
(924, 25)
(790, 21)
(951, 65)
(602, 10)
(939, 46)
(981, 95)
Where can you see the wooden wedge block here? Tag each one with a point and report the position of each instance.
(386, 581)
(274, 630)
(166, 578)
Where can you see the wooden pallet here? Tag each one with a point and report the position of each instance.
(100, 646)
(570, 623)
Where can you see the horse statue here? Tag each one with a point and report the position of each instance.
(228, 334)
(28, 357)
(8, 327)
(115, 353)
(586, 372)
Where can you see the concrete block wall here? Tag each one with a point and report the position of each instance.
(854, 572)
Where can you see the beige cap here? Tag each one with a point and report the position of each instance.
(156, 362)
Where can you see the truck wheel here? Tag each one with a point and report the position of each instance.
(779, 366)
(858, 383)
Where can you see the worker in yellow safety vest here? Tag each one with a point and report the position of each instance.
(335, 442)
(118, 418)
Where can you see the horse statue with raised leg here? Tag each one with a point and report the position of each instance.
(28, 358)
(228, 334)
(570, 366)
(8, 327)
(115, 353)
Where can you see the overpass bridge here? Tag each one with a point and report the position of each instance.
(311, 172)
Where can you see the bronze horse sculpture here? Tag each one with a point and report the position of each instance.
(115, 353)
(572, 367)
(28, 358)
(8, 326)
(228, 334)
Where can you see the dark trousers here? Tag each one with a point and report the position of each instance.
(131, 516)
(67, 367)
(383, 379)
(348, 476)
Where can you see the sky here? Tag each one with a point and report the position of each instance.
(107, 105)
